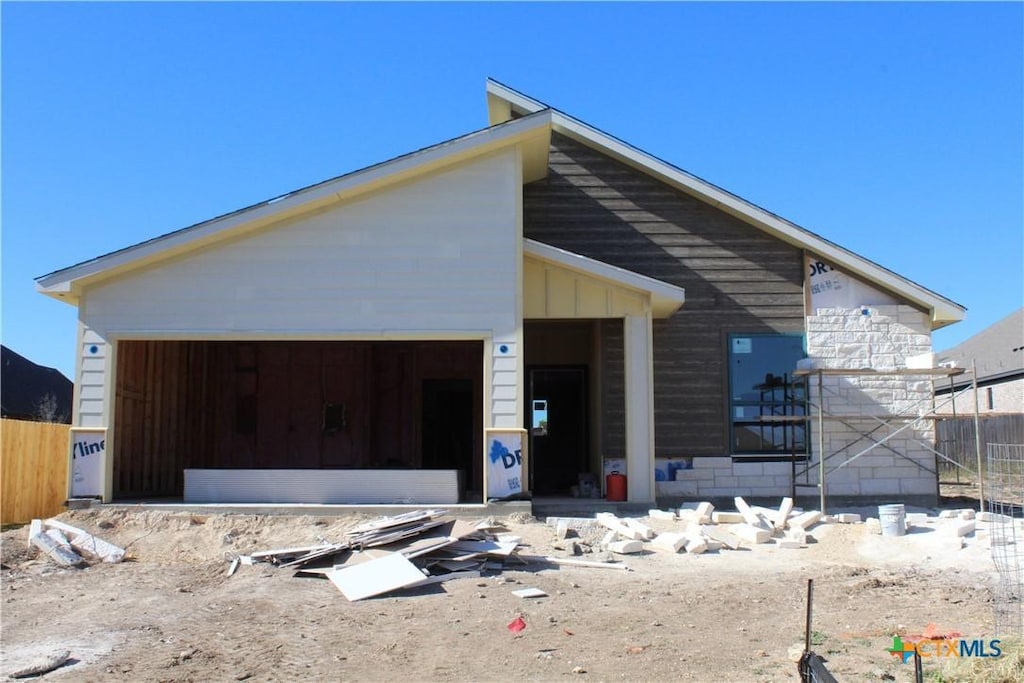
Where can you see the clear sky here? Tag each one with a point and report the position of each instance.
(894, 130)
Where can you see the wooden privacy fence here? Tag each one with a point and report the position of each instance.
(954, 437)
(33, 469)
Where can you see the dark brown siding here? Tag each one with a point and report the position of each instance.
(737, 279)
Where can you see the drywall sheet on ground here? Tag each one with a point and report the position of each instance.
(377, 576)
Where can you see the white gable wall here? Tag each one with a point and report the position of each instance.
(431, 258)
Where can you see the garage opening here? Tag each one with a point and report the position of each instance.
(261, 405)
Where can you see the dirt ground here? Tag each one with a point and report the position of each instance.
(170, 613)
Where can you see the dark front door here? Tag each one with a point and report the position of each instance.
(556, 416)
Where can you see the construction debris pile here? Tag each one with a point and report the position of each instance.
(410, 550)
(696, 528)
(69, 546)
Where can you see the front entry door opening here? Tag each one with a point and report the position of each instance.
(558, 428)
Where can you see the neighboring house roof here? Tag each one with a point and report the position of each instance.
(33, 392)
(505, 103)
(997, 351)
(516, 120)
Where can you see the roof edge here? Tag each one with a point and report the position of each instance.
(943, 311)
(61, 284)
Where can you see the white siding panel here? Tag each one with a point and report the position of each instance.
(93, 356)
(434, 254)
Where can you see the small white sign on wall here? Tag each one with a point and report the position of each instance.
(504, 462)
(88, 457)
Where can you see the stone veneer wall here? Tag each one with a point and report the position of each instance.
(880, 337)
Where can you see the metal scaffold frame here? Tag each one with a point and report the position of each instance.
(877, 430)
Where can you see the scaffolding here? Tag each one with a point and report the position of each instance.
(877, 431)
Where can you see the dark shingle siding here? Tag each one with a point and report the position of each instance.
(737, 279)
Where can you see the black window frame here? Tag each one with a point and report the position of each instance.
(787, 398)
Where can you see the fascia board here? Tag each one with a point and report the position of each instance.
(300, 201)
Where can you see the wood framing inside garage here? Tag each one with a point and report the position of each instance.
(295, 405)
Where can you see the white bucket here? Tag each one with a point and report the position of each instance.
(893, 519)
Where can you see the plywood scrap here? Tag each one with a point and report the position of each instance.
(380, 575)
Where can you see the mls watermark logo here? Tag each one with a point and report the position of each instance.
(944, 647)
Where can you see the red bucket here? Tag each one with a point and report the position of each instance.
(615, 486)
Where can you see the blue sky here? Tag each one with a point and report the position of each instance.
(895, 130)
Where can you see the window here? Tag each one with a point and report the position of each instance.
(765, 405)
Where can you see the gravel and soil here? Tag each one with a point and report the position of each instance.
(170, 612)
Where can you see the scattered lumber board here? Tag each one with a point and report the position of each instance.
(570, 562)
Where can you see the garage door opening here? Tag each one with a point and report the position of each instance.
(272, 405)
